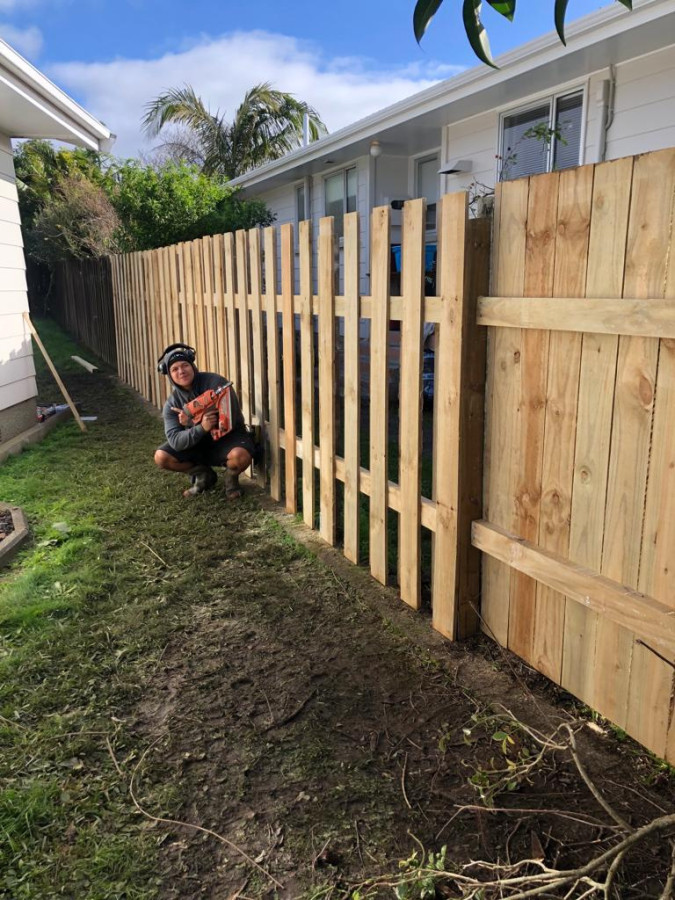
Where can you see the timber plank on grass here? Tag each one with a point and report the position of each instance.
(257, 338)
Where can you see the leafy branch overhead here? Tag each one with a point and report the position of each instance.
(425, 10)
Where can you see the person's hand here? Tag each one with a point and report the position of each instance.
(210, 420)
(183, 417)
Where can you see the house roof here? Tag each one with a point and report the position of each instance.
(608, 37)
(31, 106)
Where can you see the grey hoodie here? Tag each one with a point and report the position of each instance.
(183, 437)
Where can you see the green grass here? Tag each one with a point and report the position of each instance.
(79, 625)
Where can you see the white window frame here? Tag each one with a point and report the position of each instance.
(552, 100)
(343, 170)
(417, 160)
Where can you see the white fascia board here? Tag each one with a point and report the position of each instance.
(590, 30)
(29, 81)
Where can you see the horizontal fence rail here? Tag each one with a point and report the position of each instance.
(578, 534)
(314, 368)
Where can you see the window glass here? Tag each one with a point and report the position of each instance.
(300, 210)
(428, 187)
(351, 189)
(568, 125)
(340, 196)
(523, 155)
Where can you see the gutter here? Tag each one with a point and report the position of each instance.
(35, 87)
(580, 34)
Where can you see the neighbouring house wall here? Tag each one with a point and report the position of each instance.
(643, 119)
(17, 372)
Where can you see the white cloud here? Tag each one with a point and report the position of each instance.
(221, 70)
(28, 41)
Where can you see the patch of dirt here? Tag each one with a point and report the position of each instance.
(6, 523)
(311, 720)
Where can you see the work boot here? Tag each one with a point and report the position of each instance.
(232, 489)
(202, 478)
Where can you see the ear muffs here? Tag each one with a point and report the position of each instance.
(162, 366)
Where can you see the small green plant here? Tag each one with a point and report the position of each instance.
(420, 875)
(541, 132)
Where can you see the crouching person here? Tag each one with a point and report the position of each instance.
(190, 447)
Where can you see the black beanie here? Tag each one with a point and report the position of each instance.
(177, 356)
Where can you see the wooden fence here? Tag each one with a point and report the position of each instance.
(82, 303)
(579, 530)
(577, 534)
(233, 298)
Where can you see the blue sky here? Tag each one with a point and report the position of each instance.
(346, 58)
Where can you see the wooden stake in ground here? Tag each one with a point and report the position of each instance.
(56, 375)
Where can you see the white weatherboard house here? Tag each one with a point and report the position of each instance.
(610, 93)
(30, 107)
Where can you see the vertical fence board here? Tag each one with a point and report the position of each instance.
(538, 282)
(209, 308)
(231, 318)
(379, 407)
(153, 331)
(352, 396)
(503, 420)
(649, 242)
(327, 382)
(255, 263)
(447, 398)
(606, 255)
(307, 372)
(288, 320)
(410, 420)
(244, 325)
(571, 251)
(222, 359)
(273, 375)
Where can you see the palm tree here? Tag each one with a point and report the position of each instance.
(267, 125)
(475, 31)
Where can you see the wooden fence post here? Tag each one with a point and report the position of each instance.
(459, 385)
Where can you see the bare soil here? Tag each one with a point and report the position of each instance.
(328, 732)
(306, 718)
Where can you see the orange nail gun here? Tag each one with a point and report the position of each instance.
(218, 398)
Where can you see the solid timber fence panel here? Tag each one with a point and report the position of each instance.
(82, 303)
(578, 536)
(281, 351)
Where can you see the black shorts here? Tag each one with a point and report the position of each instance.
(212, 453)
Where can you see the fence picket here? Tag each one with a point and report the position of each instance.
(410, 392)
(255, 263)
(327, 382)
(307, 372)
(288, 351)
(244, 325)
(234, 373)
(273, 374)
(352, 394)
(379, 390)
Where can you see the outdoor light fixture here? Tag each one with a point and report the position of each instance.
(375, 149)
(456, 166)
